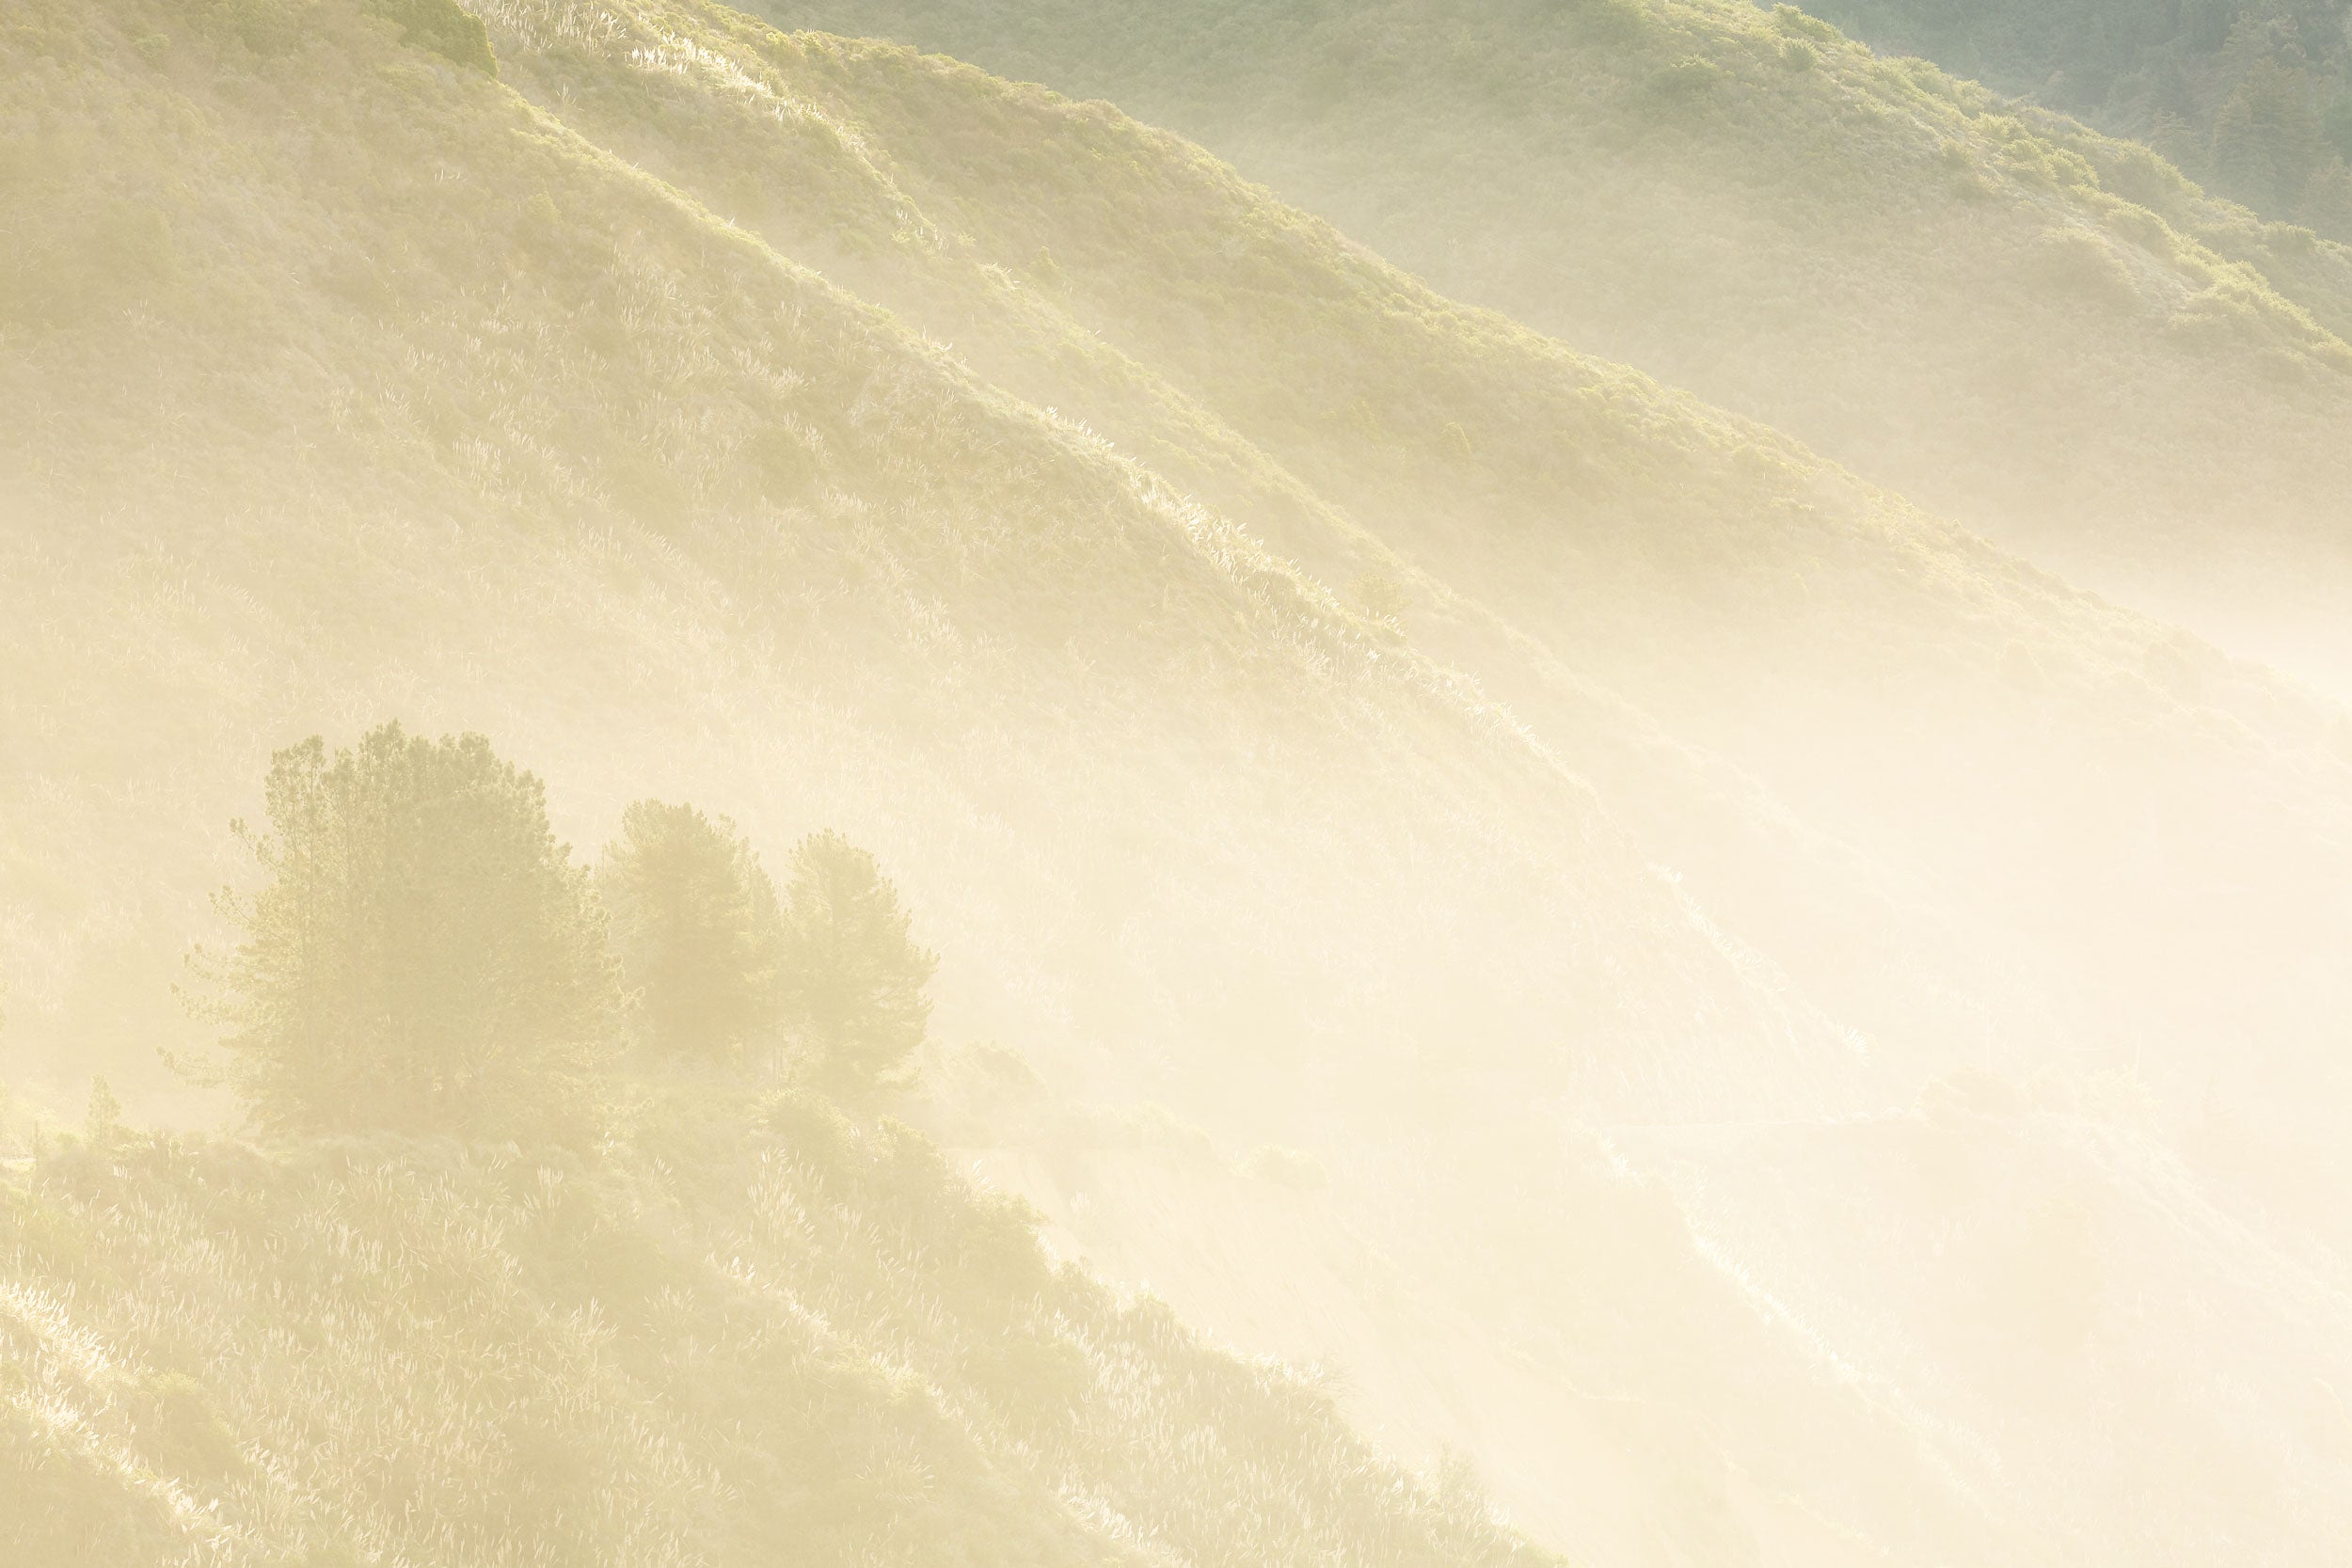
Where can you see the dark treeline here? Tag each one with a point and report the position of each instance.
(2252, 97)
(422, 955)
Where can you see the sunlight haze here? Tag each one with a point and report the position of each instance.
(1079, 782)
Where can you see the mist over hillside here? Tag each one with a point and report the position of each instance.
(1560, 968)
(2042, 332)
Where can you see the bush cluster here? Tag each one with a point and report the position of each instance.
(424, 955)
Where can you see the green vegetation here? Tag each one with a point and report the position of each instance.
(444, 27)
(1710, 575)
(854, 976)
(424, 957)
(1743, 203)
(729, 1335)
(424, 954)
(1313, 712)
(2254, 96)
(697, 928)
(718, 1332)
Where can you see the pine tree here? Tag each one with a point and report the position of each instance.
(2266, 137)
(2328, 200)
(697, 928)
(422, 957)
(854, 977)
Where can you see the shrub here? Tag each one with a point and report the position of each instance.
(1687, 77)
(812, 1127)
(1382, 597)
(1796, 24)
(2079, 264)
(1610, 22)
(443, 27)
(1287, 1167)
(267, 27)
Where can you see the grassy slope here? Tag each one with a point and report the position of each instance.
(1032, 273)
(463, 414)
(2046, 334)
(666, 514)
(1517, 1293)
(1986, 743)
(1924, 1334)
(731, 1337)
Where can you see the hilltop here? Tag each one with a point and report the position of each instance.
(2043, 333)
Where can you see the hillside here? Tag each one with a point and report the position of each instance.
(1855, 1340)
(2043, 334)
(1697, 667)
(669, 514)
(734, 1333)
(1584, 825)
(1674, 601)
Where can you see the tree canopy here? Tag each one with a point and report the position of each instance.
(424, 955)
(696, 928)
(855, 977)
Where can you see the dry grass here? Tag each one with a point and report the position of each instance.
(723, 1337)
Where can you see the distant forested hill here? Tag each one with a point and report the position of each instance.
(2252, 97)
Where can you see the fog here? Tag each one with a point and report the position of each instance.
(1600, 812)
